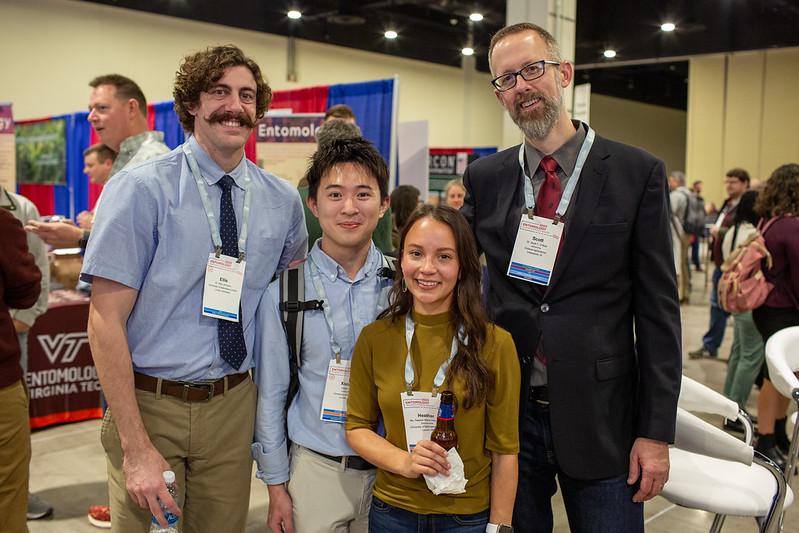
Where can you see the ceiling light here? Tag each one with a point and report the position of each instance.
(390, 34)
(476, 17)
(609, 54)
(668, 26)
(294, 14)
(467, 51)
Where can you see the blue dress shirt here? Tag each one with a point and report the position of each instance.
(355, 303)
(151, 234)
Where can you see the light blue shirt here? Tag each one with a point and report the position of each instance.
(355, 303)
(151, 234)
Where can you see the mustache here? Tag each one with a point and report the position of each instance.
(222, 116)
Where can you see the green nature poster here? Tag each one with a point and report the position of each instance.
(41, 152)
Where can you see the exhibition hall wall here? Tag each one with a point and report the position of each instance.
(742, 111)
(54, 47)
(656, 129)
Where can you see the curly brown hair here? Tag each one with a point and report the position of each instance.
(202, 69)
(467, 308)
(781, 194)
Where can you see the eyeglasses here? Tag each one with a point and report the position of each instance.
(530, 72)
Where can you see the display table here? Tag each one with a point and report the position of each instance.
(62, 380)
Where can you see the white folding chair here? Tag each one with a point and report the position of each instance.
(715, 472)
(782, 358)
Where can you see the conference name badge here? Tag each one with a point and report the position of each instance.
(535, 250)
(224, 276)
(337, 388)
(419, 412)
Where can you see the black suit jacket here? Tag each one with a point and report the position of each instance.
(610, 318)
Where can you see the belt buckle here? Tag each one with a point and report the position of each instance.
(187, 386)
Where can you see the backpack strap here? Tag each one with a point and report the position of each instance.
(293, 306)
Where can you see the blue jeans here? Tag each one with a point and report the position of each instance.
(385, 518)
(695, 260)
(718, 318)
(595, 506)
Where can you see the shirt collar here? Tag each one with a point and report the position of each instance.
(566, 155)
(331, 270)
(212, 172)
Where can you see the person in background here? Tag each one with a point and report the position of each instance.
(340, 112)
(435, 336)
(118, 113)
(404, 201)
(696, 187)
(747, 352)
(679, 196)
(19, 289)
(736, 182)
(25, 211)
(97, 162)
(169, 234)
(454, 192)
(321, 484)
(780, 198)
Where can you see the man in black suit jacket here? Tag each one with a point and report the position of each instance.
(600, 345)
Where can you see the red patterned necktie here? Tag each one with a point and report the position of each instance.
(549, 194)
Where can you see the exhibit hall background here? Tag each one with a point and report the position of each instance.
(740, 107)
(742, 112)
(54, 47)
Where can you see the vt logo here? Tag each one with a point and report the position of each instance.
(64, 346)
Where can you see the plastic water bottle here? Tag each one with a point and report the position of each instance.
(171, 519)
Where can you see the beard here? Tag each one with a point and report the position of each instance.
(537, 123)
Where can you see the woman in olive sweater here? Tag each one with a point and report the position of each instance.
(434, 336)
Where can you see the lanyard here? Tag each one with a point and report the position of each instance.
(316, 279)
(565, 199)
(209, 212)
(442, 370)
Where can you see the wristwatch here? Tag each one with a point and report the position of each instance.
(499, 528)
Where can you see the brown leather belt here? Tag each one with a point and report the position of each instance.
(189, 391)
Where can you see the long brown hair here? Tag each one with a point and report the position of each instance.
(781, 194)
(467, 308)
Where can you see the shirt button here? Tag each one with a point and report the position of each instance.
(545, 308)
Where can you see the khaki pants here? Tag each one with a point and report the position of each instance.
(14, 458)
(207, 444)
(326, 497)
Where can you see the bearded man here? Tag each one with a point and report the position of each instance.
(575, 229)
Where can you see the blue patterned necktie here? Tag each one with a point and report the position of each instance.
(231, 335)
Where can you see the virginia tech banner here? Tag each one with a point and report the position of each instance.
(62, 380)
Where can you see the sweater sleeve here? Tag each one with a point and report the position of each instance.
(362, 406)
(21, 277)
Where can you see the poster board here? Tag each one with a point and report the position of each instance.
(8, 155)
(286, 142)
(41, 152)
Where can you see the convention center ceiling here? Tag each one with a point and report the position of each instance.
(439, 30)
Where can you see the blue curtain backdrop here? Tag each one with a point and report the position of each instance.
(166, 120)
(372, 102)
(78, 131)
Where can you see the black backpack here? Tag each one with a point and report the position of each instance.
(292, 308)
(694, 220)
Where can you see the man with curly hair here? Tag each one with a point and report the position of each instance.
(180, 255)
